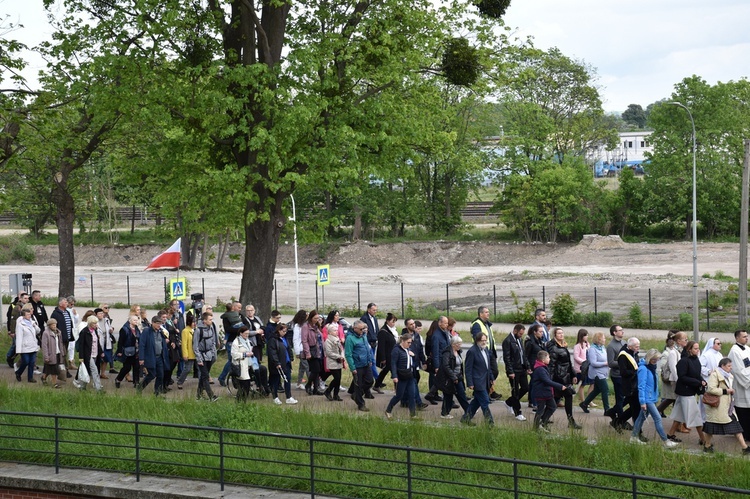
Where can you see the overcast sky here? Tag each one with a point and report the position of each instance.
(640, 49)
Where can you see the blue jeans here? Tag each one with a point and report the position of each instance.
(404, 388)
(481, 399)
(12, 350)
(654, 412)
(27, 359)
(372, 362)
(228, 365)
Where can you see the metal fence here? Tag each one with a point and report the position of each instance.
(399, 295)
(309, 464)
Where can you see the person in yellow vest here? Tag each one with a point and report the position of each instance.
(482, 324)
(188, 355)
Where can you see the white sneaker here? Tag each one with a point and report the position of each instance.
(15, 366)
(510, 409)
(521, 417)
(277, 401)
(670, 444)
(291, 400)
(446, 416)
(636, 440)
(300, 386)
(37, 372)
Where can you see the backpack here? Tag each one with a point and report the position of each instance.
(665, 372)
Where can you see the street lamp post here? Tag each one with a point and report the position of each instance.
(296, 261)
(696, 335)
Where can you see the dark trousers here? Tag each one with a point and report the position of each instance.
(545, 408)
(600, 387)
(156, 373)
(336, 383)
(568, 396)
(633, 408)
(314, 379)
(11, 355)
(481, 399)
(275, 379)
(619, 395)
(129, 363)
(362, 382)
(203, 382)
(383, 373)
(404, 388)
(519, 386)
(743, 416)
(460, 396)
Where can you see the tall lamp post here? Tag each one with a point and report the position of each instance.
(296, 261)
(696, 335)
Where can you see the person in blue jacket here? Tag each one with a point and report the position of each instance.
(648, 396)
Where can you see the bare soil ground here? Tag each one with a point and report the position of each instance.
(618, 273)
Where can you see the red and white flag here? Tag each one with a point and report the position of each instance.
(170, 259)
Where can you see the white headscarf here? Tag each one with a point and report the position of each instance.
(709, 345)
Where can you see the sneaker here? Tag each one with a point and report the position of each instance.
(746, 451)
(591, 404)
(277, 401)
(388, 415)
(415, 418)
(291, 401)
(636, 440)
(642, 438)
(543, 429)
(709, 449)
(450, 416)
(422, 406)
(627, 426)
(300, 386)
(37, 372)
(117, 384)
(431, 399)
(377, 389)
(214, 398)
(15, 366)
(669, 444)
(674, 438)
(363, 408)
(222, 382)
(510, 409)
(521, 417)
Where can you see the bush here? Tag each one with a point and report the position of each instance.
(601, 319)
(525, 314)
(635, 315)
(563, 309)
(15, 248)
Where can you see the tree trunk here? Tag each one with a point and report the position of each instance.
(222, 251)
(132, 222)
(64, 220)
(357, 230)
(261, 248)
(204, 251)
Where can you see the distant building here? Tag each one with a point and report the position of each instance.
(630, 153)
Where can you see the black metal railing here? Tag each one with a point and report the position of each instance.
(310, 464)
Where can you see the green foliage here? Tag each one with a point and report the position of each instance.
(14, 249)
(600, 319)
(493, 8)
(635, 316)
(460, 62)
(635, 116)
(563, 309)
(523, 314)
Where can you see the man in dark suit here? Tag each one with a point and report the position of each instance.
(479, 369)
(153, 354)
(540, 318)
(372, 338)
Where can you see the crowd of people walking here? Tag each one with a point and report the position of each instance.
(710, 393)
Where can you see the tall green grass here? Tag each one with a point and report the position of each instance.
(163, 451)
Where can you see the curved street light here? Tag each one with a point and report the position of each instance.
(696, 335)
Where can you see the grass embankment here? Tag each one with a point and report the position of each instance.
(162, 451)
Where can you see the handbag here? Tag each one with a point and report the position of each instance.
(129, 351)
(711, 400)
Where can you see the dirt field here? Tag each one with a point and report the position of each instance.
(618, 273)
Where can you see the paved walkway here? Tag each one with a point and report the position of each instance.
(88, 483)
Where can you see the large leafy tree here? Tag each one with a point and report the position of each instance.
(722, 118)
(287, 92)
(552, 107)
(635, 116)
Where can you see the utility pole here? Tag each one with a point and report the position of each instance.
(742, 305)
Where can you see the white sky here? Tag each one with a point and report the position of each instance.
(639, 48)
(642, 48)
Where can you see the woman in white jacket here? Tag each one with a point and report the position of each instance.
(26, 342)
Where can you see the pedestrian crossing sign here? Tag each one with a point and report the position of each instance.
(324, 275)
(178, 289)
